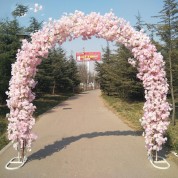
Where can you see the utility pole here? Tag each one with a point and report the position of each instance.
(87, 63)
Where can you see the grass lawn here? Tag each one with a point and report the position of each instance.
(47, 102)
(131, 112)
(43, 104)
(3, 126)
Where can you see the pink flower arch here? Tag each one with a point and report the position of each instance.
(148, 61)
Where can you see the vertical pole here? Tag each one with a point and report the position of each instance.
(156, 156)
(88, 72)
(84, 64)
(93, 80)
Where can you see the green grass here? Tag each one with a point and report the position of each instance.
(131, 112)
(47, 102)
(172, 135)
(3, 126)
(43, 104)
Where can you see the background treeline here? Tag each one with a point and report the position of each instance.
(118, 78)
(57, 73)
(120, 87)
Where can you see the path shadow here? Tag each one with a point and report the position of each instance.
(50, 105)
(164, 152)
(83, 93)
(62, 144)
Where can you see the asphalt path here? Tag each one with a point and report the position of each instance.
(82, 138)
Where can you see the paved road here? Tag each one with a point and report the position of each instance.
(81, 138)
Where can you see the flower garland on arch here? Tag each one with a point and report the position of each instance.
(148, 61)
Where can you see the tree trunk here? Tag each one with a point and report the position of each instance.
(22, 151)
(54, 87)
(172, 88)
(170, 71)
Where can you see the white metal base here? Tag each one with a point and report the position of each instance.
(15, 163)
(160, 164)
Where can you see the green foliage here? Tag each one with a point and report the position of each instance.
(139, 23)
(9, 43)
(107, 54)
(167, 30)
(3, 141)
(20, 10)
(44, 76)
(34, 26)
(48, 101)
(117, 77)
(105, 73)
(55, 69)
(57, 74)
(43, 104)
(172, 135)
(3, 126)
(167, 27)
(130, 86)
(60, 66)
(131, 112)
(73, 74)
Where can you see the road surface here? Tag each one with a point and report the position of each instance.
(81, 138)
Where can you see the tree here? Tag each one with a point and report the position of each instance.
(52, 71)
(57, 74)
(44, 76)
(73, 73)
(167, 30)
(104, 72)
(10, 34)
(9, 43)
(20, 10)
(128, 84)
(34, 25)
(59, 64)
(139, 24)
(117, 77)
(107, 53)
(83, 74)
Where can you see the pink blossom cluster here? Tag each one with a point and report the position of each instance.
(148, 61)
(36, 7)
(132, 61)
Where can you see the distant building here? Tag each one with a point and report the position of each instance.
(23, 36)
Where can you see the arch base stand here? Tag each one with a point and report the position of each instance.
(159, 162)
(16, 163)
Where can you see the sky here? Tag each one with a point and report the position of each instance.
(127, 9)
